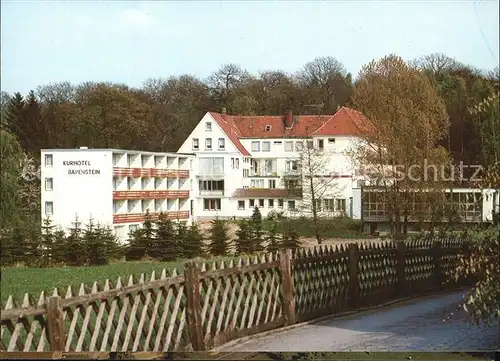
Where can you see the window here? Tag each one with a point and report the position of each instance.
(272, 183)
(245, 173)
(48, 160)
(267, 128)
(276, 142)
(257, 183)
(331, 140)
(241, 205)
(271, 203)
(318, 205)
(130, 183)
(222, 143)
(291, 165)
(251, 203)
(291, 204)
(208, 144)
(255, 146)
(261, 203)
(299, 146)
(48, 184)
(237, 163)
(266, 146)
(232, 163)
(211, 185)
(211, 204)
(329, 205)
(288, 146)
(208, 126)
(133, 228)
(310, 144)
(321, 144)
(49, 208)
(341, 205)
(280, 203)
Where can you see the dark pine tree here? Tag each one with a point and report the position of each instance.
(193, 242)
(164, 246)
(219, 239)
(244, 241)
(273, 241)
(75, 248)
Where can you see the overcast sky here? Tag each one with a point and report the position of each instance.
(125, 41)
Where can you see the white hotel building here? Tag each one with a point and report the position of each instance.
(226, 166)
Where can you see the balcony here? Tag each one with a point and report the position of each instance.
(140, 217)
(253, 173)
(150, 172)
(292, 173)
(205, 193)
(172, 194)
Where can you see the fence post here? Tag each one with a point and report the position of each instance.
(285, 257)
(437, 252)
(354, 275)
(193, 311)
(55, 323)
(400, 269)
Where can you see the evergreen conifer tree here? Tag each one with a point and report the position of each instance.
(193, 242)
(219, 239)
(46, 243)
(244, 242)
(74, 248)
(164, 246)
(273, 241)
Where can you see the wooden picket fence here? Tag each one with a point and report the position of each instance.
(208, 306)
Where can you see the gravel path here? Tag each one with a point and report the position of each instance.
(435, 323)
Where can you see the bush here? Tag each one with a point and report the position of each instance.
(483, 302)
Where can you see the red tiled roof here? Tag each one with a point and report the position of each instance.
(233, 133)
(345, 122)
(264, 193)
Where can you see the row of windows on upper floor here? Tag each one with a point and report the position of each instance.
(322, 205)
(145, 161)
(265, 145)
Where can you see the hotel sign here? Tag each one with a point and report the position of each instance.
(79, 171)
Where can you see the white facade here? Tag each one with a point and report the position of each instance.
(265, 167)
(114, 188)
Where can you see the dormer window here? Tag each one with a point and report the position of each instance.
(208, 126)
(267, 128)
(331, 140)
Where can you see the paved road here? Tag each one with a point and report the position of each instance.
(434, 323)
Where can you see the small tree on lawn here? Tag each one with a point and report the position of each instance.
(291, 238)
(273, 241)
(13, 246)
(58, 249)
(74, 247)
(256, 232)
(219, 239)
(165, 246)
(244, 240)
(141, 241)
(193, 242)
(46, 243)
(181, 233)
(96, 248)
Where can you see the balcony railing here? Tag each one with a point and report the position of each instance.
(150, 172)
(140, 217)
(205, 193)
(172, 194)
(263, 174)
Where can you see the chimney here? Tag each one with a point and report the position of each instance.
(289, 119)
